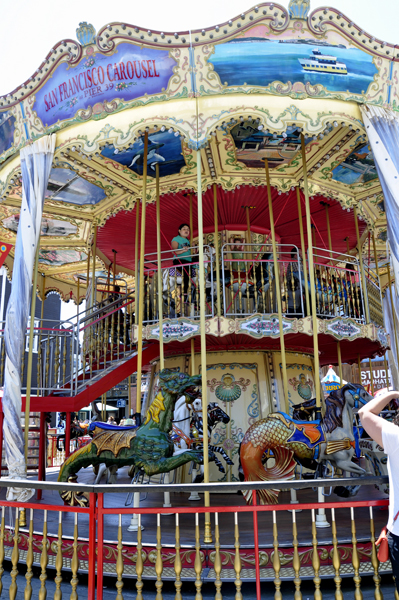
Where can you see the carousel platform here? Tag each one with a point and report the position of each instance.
(245, 544)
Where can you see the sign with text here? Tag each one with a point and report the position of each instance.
(379, 377)
(129, 73)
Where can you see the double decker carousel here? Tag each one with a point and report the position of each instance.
(228, 220)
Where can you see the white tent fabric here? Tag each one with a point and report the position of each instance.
(382, 127)
(36, 161)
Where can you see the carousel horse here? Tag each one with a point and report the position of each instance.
(148, 447)
(330, 438)
(77, 431)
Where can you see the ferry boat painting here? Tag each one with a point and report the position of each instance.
(323, 63)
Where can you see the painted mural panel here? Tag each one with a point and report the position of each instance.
(129, 73)
(234, 387)
(66, 186)
(7, 128)
(259, 60)
(358, 167)
(48, 226)
(254, 145)
(60, 256)
(164, 148)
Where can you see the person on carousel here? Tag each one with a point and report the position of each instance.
(386, 434)
(182, 252)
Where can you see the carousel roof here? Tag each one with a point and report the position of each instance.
(240, 92)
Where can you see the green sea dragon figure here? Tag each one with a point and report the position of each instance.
(148, 447)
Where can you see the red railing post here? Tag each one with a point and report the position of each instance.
(100, 548)
(256, 544)
(91, 591)
(42, 453)
(67, 434)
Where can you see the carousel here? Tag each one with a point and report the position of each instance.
(224, 235)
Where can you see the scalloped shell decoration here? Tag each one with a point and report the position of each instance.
(85, 33)
(299, 9)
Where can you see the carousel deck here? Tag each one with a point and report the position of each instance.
(226, 522)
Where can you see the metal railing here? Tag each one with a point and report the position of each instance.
(338, 285)
(180, 285)
(283, 545)
(249, 279)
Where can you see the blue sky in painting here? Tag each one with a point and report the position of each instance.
(163, 148)
(7, 128)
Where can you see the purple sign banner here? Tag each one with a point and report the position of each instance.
(129, 73)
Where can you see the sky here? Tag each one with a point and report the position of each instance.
(30, 28)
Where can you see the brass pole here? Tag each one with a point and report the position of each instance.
(129, 391)
(208, 533)
(386, 372)
(328, 228)
(88, 271)
(77, 299)
(377, 268)
(93, 272)
(141, 278)
(136, 262)
(304, 262)
(393, 312)
(30, 353)
(192, 356)
(248, 225)
(114, 268)
(360, 368)
(215, 214)
(278, 288)
(340, 363)
(159, 266)
(366, 305)
(311, 278)
(371, 376)
(191, 220)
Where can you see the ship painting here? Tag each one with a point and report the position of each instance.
(322, 63)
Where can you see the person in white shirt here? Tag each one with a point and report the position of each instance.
(386, 434)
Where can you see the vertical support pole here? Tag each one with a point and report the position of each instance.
(341, 379)
(312, 281)
(129, 391)
(304, 261)
(114, 268)
(91, 584)
(216, 219)
(278, 287)
(360, 368)
(256, 544)
(159, 266)
(67, 434)
(208, 533)
(88, 270)
(42, 453)
(93, 268)
(30, 353)
(371, 376)
(141, 284)
(136, 263)
(362, 275)
(393, 312)
(328, 228)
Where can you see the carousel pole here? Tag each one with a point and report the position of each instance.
(328, 227)
(360, 368)
(278, 289)
(93, 271)
(393, 312)
(114, 268)
(312, 283)
(215, 216)
(341, 379)
(305, 268)
(386, 372)
(191, 244)
(363, 279)
(141, 278)
(208, 532)
(136, 263)
(371, 376)
(30, 353)
(159, 266)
